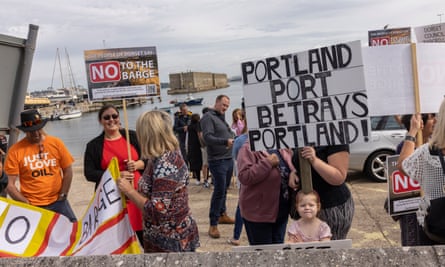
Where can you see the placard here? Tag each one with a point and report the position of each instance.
(311, 98)
(122, 73)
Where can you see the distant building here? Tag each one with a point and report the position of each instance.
(191, 82)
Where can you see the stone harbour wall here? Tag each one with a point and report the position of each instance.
(397, 256)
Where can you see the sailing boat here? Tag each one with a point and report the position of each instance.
(64, 94)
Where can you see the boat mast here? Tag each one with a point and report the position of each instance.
(54, 69)
(70, 73)
(60, 67)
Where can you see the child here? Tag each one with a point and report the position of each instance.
(238, 122)
(309, 227)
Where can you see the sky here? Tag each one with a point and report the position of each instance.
(199, 35)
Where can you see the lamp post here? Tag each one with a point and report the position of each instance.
(440, 17)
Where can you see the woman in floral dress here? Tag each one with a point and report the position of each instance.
(162, 193)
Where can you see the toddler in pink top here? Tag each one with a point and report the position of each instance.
(309, 227)
(238, 121)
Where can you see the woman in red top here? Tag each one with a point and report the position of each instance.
(112, 143)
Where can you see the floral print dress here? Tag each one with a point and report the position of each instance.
(168, 224)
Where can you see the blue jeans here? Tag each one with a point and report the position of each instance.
(63, 207)
(238, 224)
(265, 233)
(222, 171)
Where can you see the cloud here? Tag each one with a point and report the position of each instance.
(201, 35)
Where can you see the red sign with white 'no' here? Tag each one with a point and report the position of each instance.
(107, 71)
(402, 183)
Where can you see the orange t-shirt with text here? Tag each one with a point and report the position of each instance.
(40, 174)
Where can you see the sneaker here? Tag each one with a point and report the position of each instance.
(206, 184)
(197, 182)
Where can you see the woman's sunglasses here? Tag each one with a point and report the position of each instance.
(108, 117)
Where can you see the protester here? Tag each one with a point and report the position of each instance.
(309, 227)
(329, 169)
(237, 144)
(238, 121)
(194, 144)
(205, 162)
(425, 166)
(219, 139)
(3, 176)
(163, 195)
(109, 144)
(181, 123)
(43, 166)
(411, 234)
(264, 197)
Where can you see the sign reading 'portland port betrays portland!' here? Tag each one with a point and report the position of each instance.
(316, 97)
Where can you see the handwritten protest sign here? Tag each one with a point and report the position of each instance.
(316, 97)
(28, 231)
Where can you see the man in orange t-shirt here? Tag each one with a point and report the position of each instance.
(42, 164)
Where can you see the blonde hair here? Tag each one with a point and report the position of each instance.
(438, 136)
(155, 134)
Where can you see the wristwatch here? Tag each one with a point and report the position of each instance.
(63, 195)
(410, 138)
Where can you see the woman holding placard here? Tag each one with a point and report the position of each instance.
(112, 143)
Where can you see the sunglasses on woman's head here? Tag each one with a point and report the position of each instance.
(108, 117)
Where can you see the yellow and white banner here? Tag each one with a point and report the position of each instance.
(28, 231)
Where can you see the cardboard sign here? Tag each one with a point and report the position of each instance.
(316, 97)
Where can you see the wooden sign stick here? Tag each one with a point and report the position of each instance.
(419, 137)
(305, 173)
(127, 133)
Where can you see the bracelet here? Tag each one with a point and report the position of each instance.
(410, 138)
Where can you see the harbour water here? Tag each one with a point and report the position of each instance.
(77, 132)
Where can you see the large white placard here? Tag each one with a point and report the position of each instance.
(316, 97)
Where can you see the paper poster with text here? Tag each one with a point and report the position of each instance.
(434, 33)
(29, 231)
(122, 73)
(404, 193)
(389, 36)
(311, 98)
